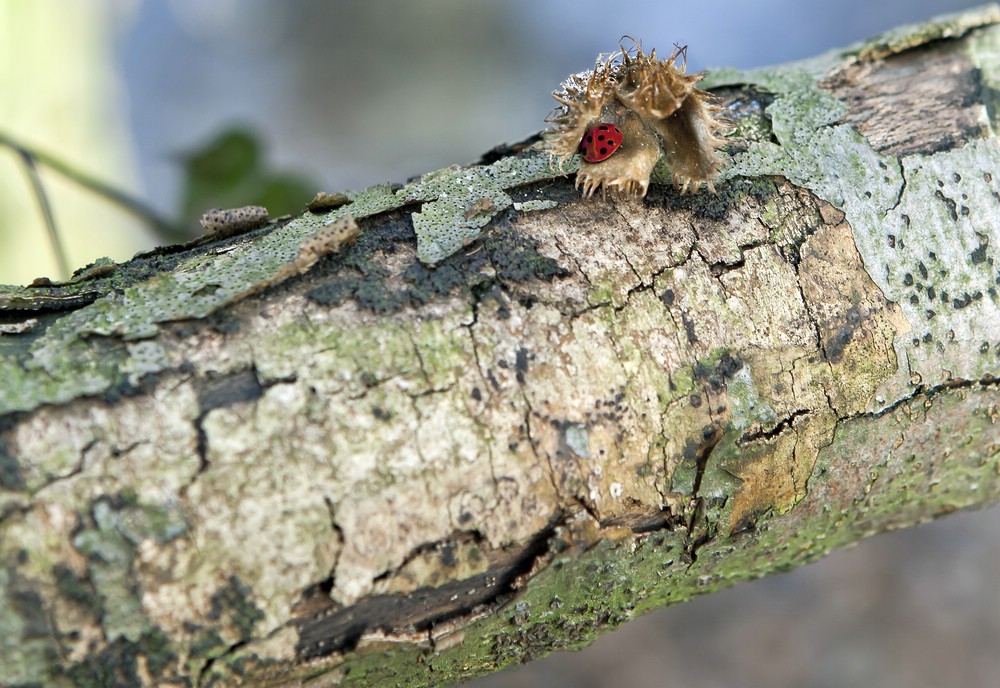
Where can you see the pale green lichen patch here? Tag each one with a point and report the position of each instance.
(840, 166)
(81, 353)
(577, 439)
(29, 650)
(528, 206)
(910, 36)
(110, 549)
(833, 161)
(936, 255)
(463, 201)
(94, 449)
(745, 403)
(458, 203)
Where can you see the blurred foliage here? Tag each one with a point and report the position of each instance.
(231, 171)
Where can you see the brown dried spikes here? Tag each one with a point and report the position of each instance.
(659, 111)
(582, 100)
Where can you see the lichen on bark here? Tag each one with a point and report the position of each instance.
(375, 471)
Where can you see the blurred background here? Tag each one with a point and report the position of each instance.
(189, 104)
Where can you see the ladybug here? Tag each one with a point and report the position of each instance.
(601, 142)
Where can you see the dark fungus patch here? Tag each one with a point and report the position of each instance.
(979, 255)
(507, 149)
(521, 364)
(76, 589)
(228, 389)
(960, 303)
(361, 273)
(711, 206)
(746, 107)
(689, 328)
(234, 601)
(118, 663)
(10, 470)
(842, 335)
(716, 376)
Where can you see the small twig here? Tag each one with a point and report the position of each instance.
(164, 227)
(46, 208)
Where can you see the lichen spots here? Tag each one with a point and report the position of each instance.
(643, 107)
(940, 260)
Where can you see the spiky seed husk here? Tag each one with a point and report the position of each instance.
(659, 110)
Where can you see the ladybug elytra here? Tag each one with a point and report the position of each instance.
(601, 142)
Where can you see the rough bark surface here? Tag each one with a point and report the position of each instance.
(280, 458)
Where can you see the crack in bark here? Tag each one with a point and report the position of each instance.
(475, 417)
(420, 361)
(770, 434)
(211, 661)
(330, 629)
(77, 468)
(929, 391)
(528, 412)
(241, 386)
(631, 267)
(899, 195)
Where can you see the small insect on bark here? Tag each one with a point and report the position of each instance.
(600, 142)
(644, 107)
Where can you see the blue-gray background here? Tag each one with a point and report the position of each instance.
(362, 91)
(358, 92)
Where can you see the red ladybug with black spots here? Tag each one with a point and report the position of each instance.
(600, 142)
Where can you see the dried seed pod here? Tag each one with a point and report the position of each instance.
(658, 110)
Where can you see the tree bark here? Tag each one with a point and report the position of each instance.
(504, 419)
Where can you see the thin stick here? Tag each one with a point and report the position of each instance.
(46, 208)
(164, 227)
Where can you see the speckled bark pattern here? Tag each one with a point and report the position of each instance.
(506, 419)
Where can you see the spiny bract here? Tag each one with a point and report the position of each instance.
(659, 111)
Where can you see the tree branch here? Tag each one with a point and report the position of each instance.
(463, 423)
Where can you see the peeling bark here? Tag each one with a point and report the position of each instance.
(275, 458)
